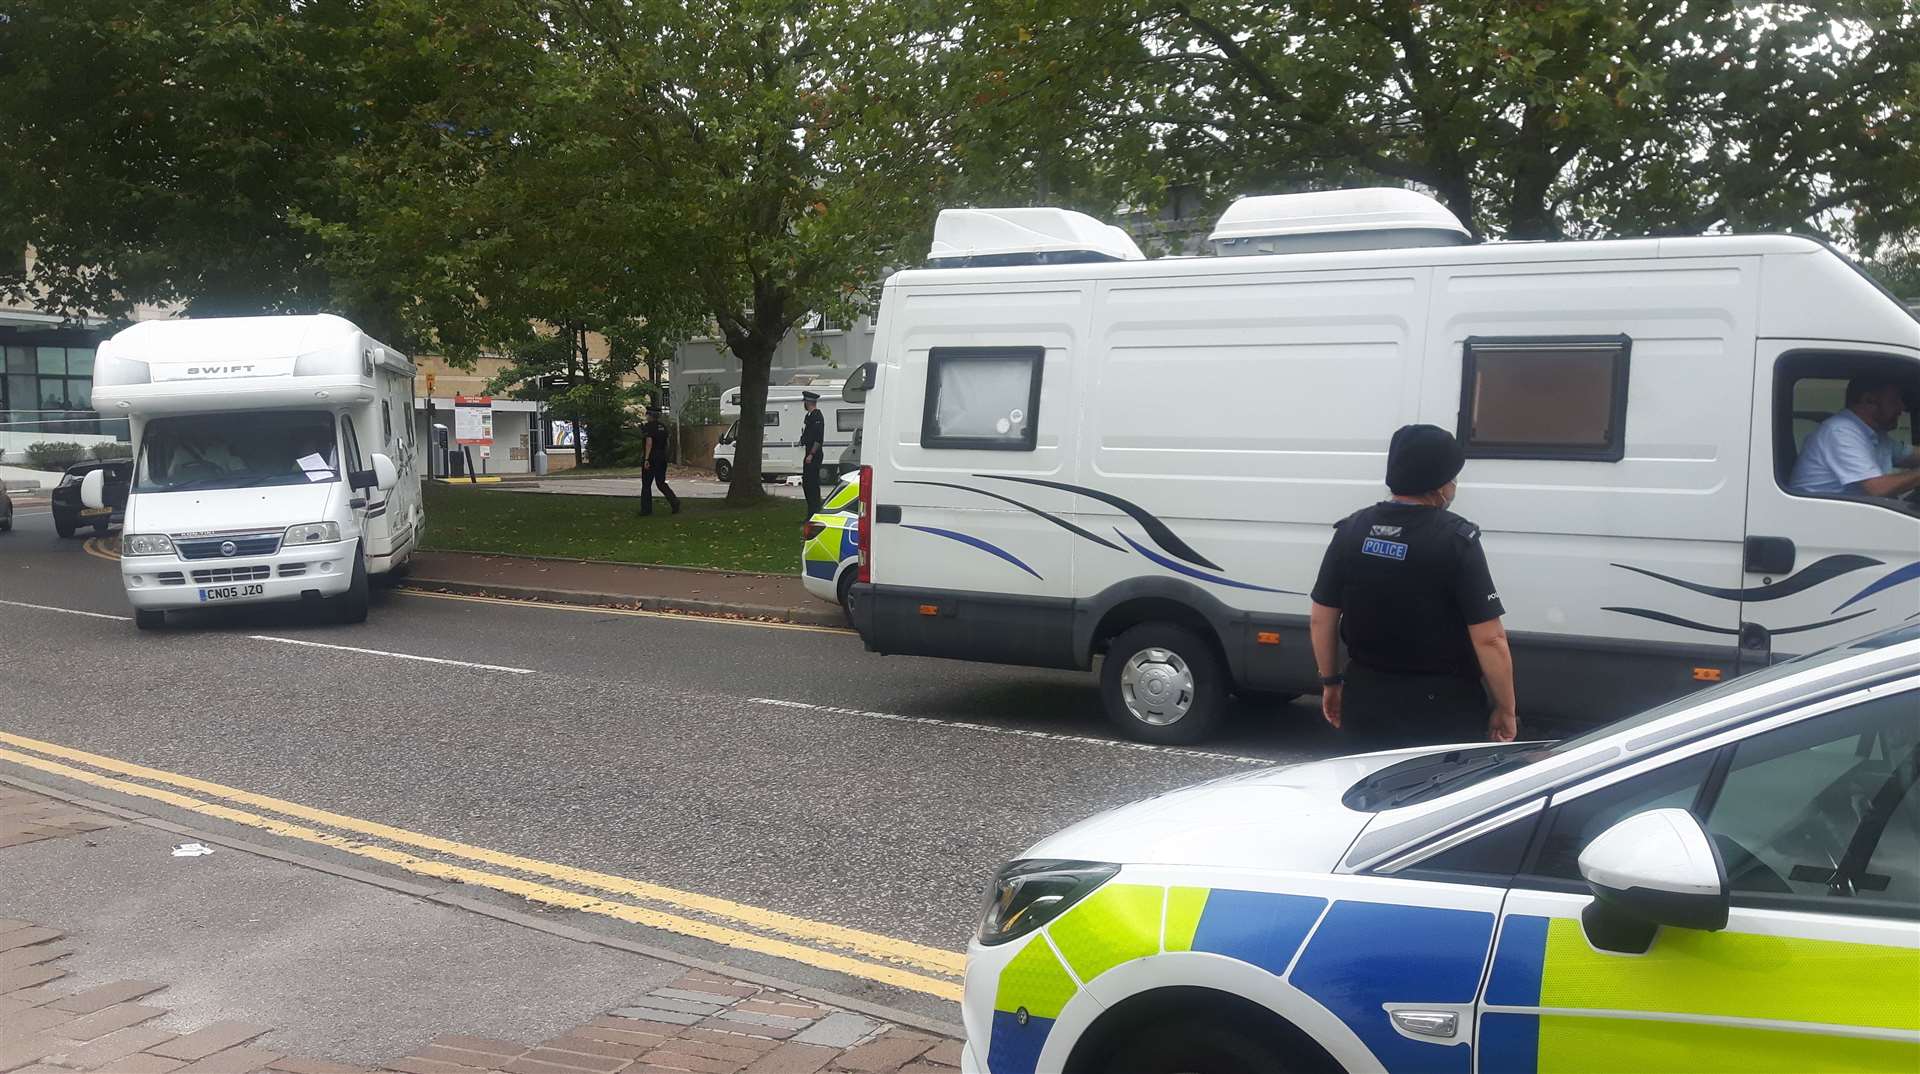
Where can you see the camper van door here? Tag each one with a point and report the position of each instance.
(1821, 569)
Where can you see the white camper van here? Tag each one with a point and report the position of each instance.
(273, 461)
(1077, 451)
(780, 452)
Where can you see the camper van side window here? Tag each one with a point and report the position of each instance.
(350, 445)
(847, 421)
(1561, 397)
(982, 398)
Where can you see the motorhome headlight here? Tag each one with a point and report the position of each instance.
(313, 533)
(146, 544)
(1028, 893)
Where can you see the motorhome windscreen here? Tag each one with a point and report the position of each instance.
(230, 451)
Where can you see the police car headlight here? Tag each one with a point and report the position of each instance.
(146, 544)
(1031, 892)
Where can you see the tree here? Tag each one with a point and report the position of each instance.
(1529, 120)
(650, 162)
(161, 152)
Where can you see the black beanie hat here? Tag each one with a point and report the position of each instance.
(1422, 458)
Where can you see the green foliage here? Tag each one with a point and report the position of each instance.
(701, 405)
(162, 152)
(1530, 120)
(55, 454)
(111, 449)
(649, 164)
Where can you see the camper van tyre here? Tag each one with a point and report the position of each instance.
(351, 606)
(1163, 683)
(723, 470)
(149, 618)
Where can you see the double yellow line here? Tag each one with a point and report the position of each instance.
(866, 955)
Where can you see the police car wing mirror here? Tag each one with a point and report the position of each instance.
(859, 383)
(385, 474)
(93, 489)
(1652, 869)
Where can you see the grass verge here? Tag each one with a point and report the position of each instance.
(706, 533)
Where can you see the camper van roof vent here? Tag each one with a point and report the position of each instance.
(974, 238)
(1376, 218)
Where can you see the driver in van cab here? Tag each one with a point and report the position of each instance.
(1854, 452)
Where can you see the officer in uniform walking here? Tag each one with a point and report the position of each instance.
(1405, 584)
(653, 470)
(813, 439)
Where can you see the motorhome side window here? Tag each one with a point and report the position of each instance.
(847, 421)
(1545, 398)
(982, 398)
(772, 418)
(350, 445)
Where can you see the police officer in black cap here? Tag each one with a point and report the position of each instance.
(813, 440)
(653, 469)
(1405, 584)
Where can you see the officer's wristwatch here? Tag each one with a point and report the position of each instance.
(1333, 680)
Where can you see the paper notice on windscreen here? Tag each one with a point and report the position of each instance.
(316, 468)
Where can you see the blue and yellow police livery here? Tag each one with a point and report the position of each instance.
(830, 543)
(1727, 883)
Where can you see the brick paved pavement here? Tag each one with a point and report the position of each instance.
(701, 1023)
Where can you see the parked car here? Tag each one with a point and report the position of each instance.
(69, 514)
(6, 510)
(830, 544)
(1729, 880)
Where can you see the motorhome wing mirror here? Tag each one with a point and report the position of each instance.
(93, 489)
(385, 474)
(859, 383)
(1652, 869)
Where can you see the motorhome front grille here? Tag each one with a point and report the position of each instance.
(172, 578)
(292, 570)
(217, 575)
(248, 544)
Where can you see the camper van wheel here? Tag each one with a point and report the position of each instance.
(723, 469)
(149, 618)
(1163, 683)
(351, 606)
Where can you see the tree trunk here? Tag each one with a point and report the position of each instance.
(1529, 214)
(756, 368)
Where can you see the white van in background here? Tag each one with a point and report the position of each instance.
(273, 461)
(780, 452)
(1077, 451)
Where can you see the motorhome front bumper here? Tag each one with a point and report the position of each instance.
(169, 582)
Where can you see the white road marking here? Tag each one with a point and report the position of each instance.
(396, 656)
(1080, 740)
(66, 611)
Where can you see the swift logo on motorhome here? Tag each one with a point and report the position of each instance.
(219, 370)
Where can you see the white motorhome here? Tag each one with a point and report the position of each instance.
(1077, 451)
(780, 452)
(273, 461)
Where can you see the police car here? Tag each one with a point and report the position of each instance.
(830, 543)
(1730, 883)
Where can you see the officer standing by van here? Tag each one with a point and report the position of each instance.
(653, 470)
(1405, 584)
(813, 440)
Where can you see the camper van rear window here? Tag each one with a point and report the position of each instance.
(1561, 397)
(982, 398)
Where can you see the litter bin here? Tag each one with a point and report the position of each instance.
(539, 464)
